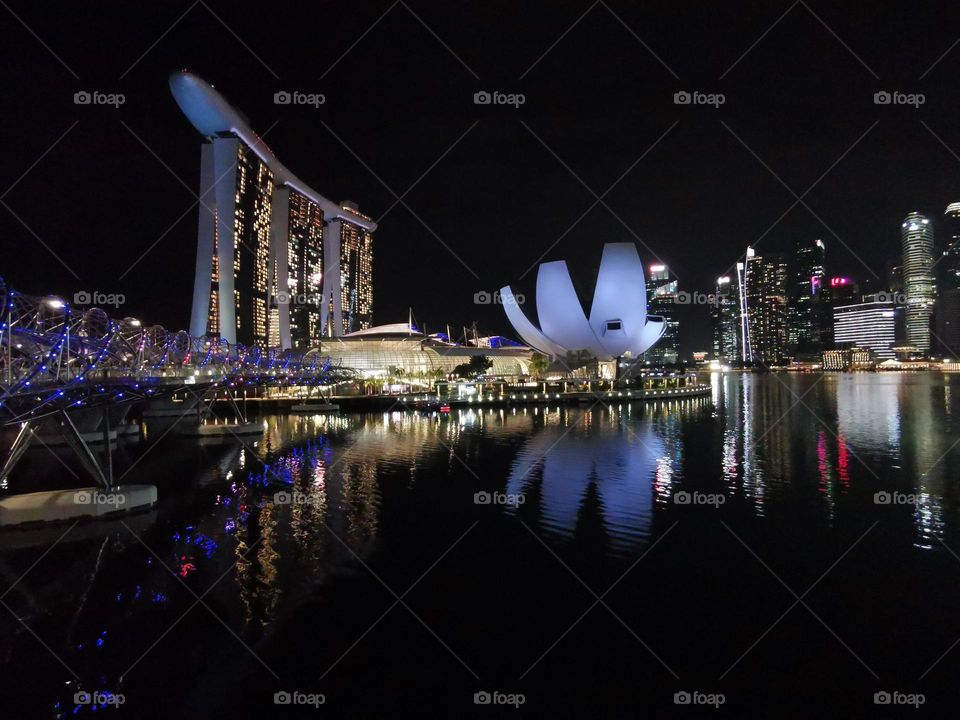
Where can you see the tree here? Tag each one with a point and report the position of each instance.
(539, 364)
(478, 365)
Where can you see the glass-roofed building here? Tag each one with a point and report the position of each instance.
(376, 351)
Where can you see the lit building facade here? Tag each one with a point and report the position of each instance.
(278, 264)
(662, 294)
(948, 281)
(725, 314)
(765, 284)
(303, 238)
(837, 290)
(918, 285)
(803, 321)
(232, 286)
(870, 324)
(352, 308)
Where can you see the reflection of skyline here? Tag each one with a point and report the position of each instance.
(868, 414)
(735, 398)
(925, 461)
(595, 475)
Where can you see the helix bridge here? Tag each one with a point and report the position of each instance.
(59, 363)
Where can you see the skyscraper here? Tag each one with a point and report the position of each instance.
(803, 324)
(725, 313)
(765, 283)
(918, 285)
(870, 324)
(352, 309)
(233, 246)
(948, 281)
(276, 261)
(302, 233)
(949, 265)
(662, 298)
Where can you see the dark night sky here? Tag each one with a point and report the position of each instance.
(799, 99)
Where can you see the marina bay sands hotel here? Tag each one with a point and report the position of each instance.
(278, 264)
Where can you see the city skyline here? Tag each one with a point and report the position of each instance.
(301, 265)
(378, 135)
(365, 357)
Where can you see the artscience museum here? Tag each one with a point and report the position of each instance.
(618, 324)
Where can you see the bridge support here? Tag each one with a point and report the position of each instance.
(19, 446)
(79, 442)
(103, 472)
(242, 426)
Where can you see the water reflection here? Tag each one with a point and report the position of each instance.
(742, 471)
(265, 523)
(598, 467)
(868, 413)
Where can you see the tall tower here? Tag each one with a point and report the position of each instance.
(661, 301)
(231, 292)
(765, 283)
(298, 225)
(274, 257)
(348, 290)
(950, 263)
(948, 284)
(918, 286)
(803, 316)
(725, 313)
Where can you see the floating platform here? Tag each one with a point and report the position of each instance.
(128, 429)
(177, 411)
(315, 408)
(207, 430)
(93, 437)
(74, 504)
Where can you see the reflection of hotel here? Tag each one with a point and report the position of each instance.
(277, 263)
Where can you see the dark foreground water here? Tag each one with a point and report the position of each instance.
(379, 579)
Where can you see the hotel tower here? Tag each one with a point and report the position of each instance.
(277, 263)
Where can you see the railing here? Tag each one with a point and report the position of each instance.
(53, 356)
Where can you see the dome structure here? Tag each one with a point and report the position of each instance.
(618, 324)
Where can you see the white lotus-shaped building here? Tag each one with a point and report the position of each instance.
(618, 323)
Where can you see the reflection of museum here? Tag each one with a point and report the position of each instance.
(592, 461)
